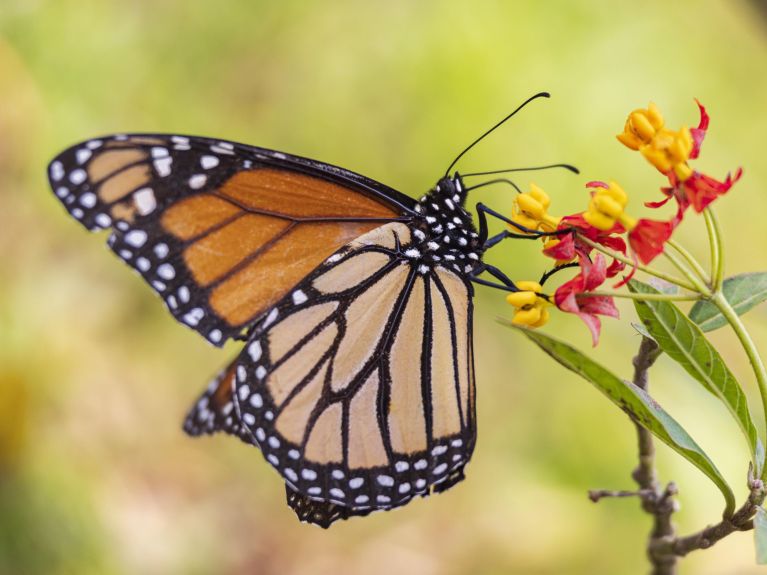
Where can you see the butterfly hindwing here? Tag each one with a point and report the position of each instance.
(358, 385)
(214, 412)
(220, 230)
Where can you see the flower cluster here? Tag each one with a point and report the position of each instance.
(606, 227)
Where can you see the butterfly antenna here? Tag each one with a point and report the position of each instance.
(573, 169)
(475, 142)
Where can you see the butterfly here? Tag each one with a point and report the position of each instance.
(354, 302)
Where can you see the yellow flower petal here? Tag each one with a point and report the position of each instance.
(524, 221)
(657, 158)
(629, 140)
(654, 116)
(607, 205)
(527, 285)
(599, 220)
(542, 197)
(530, 206)
(545, 315)
(641, 126)
(521, 299)
(527, 316)
(616, 193)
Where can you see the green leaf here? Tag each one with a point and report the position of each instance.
(636, 403)
(743, 291)
(641, 329)
(760, 535)
(684, 342)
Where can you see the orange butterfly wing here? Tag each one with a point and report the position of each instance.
(221, 231)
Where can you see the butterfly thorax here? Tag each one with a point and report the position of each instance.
(445, 229)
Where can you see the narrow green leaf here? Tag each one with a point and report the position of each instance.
(743, 291)
(760, 535)
(636, 403)
(684, 342)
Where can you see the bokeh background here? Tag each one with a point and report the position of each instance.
(96, 476)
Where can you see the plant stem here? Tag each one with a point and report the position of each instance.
(741, 520)
(757, 364)
(697, 268)
(641, 296)
(697, 283)
(621, 258)
(717, 253)
(656, 501)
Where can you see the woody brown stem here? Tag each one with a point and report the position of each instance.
(664, 547)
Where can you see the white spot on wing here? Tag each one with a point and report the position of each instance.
(103, 220)
(254, 350)
(271, 318)
(197, 181)
(145, 201)
(256, 400)
(299, 297)
(161, 250)
(78, 177)
(83, 155)
(166, 271)
(162, 165)
(57, 171)
(208, 162)
(193, 316)
(385, 480)
(88, 199)
(136, 238)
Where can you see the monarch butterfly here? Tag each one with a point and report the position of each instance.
(356, 379)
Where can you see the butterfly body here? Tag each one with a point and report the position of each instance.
(356, 378)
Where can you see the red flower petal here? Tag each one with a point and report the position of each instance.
(592, 276)
(699, 133)
(701, 189)
(564, 250)
(661, 203)
(597, 184)
(648, 237)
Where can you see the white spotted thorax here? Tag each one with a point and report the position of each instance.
(444, 234)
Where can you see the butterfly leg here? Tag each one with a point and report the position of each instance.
(527, 233)
(505, 285)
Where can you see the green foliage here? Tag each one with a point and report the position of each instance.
(633, 400)
(743, 291)
(760, 535)
(684, 342)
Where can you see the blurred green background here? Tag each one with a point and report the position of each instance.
(95, 377)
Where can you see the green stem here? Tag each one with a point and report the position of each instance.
(757, 364)
(697, 283)
(697, 268)
(642, 296)
(717, 253)
(621, 258)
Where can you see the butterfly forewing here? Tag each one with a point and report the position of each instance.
(221, 231)
(358, 385)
